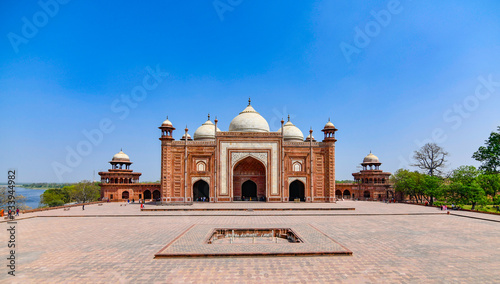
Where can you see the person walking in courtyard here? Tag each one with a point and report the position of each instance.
(17, 212)
(83, 206)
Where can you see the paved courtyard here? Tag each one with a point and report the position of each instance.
(391, 243)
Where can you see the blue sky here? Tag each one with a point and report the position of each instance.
(413, 80)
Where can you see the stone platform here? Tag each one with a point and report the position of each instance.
(193, 243)
(390, 243)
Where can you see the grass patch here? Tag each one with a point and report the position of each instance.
(487, 208)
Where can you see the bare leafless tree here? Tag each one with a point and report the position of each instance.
(431, 158)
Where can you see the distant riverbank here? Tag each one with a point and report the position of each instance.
(34, 188)
(32, 195)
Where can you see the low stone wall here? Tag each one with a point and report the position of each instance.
(59, 207)
(450, 209)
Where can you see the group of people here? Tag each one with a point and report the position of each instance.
(133, 200)
(10, 213)
(140, 201)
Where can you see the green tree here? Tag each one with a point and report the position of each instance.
(490, 183)
(465, 175)
(464, 187)
(406, 182)
(56, 196)
(86, 191)
(417, 185)
(431, 187)
(489, 155)
(460, 193)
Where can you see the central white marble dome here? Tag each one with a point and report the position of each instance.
(249, 120)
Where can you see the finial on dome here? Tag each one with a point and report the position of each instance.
(121, 149)
(370, 151)
(328, 118)
(288, 117)
(249, 100)
(209, 116)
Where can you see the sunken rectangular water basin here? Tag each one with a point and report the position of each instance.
(253, 236)
(220, 241)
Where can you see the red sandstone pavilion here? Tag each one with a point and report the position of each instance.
(246, 163)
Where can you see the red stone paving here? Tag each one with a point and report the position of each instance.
(192, 243)
(425, 246)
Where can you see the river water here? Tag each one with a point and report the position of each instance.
(32, 196)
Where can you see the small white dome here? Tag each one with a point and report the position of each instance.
(166, 122)
(120, 157)
(309, 137)
(292, 133)
(370, 158)
(329, 124)
(184, 137)
(206, 131)
(249, 120)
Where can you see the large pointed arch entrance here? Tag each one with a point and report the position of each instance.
(201, 191)
(249, 180)
(297, 191)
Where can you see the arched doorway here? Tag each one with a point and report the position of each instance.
(249, 191)
(156, 195)
(338, 194)
(366, 194)
(125, 195)
(147, 194)
(347, 194)
(201, 191)
(249, 180)
(296, 190)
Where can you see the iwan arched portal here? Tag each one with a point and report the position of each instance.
(249, 180)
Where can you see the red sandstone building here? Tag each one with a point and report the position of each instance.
(370, 183)
(121, 183)
(246, 163)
